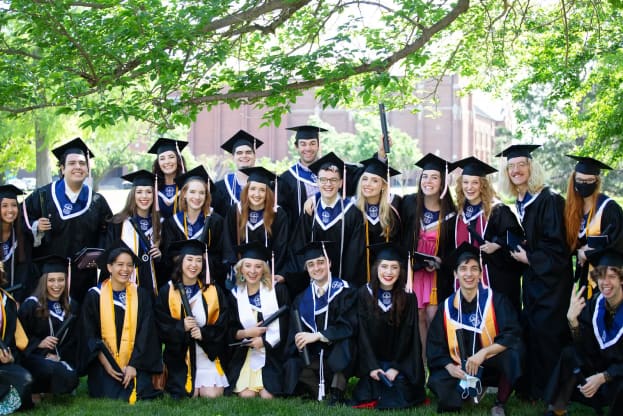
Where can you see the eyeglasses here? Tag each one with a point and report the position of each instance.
(332, 181)
(518, 165)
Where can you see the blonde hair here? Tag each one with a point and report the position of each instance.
(487, 194)
(535, 183)
(385, 214)
(266, 278)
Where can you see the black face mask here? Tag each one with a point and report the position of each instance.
(585, 189)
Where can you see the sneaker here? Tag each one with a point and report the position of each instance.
(498, 410)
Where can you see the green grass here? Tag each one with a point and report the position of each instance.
(83, 405)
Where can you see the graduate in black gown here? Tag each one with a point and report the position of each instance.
(484, 221)
(335, 219)
(388, 338)
(138, 226)
(15, 252)
(242, 147)
(257, 217)
(169, 164)
(51, 356)
(592, 219)
(119, 349)
(194, 341)
(256, 368)
(15, 380)
(194, 221)
(298, 183)
(67, 216)
(475, 333)
(547, 273)
(327, 315)
(591, 370)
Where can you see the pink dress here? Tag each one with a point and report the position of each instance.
(423, 280)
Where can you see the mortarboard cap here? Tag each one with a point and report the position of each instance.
(241, 138)
(306, 132)
(433, 162)
(474, 167)
(75, 146)
(388, 251)
(464, 252)
(377, 167)
(165, 145)
(259, 174)
(140, 178)
(315, 249)
(254, 250)
(518, 150)
(606, 257)
(588, 165)
(327, 161)
(52, 264)
(191, 247)
(10, 191)
(198, 173)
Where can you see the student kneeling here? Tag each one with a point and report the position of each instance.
(474, 331)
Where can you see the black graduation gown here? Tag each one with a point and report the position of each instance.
(222, 199)
(509, 362)
(13, 374)
(504, 272)
(49, 376)
(612, 222)
(146, 356)
(144, 277)
(546, 286)
(177, 341)
(587, 355)
(212, 235)
(308, 229)
(272, 372)
(278, 242)
(398, 346)
(340, 353)
(68, 236)
(292, 195)
(445, 276)
(18, 268)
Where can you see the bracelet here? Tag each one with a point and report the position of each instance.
(607, 376)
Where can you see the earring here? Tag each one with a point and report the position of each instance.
(241, 278)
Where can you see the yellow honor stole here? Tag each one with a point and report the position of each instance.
(21, 339)
(487, 329)
(109, 330)
(593, 227)
(210, 296)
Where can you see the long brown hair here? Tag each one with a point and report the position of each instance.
(206, 204)
(130, 209)
(574, 210)
(41, 293)
(399, 296)
(19, 232)
(487, 194)
(269, 214)
(447, 207)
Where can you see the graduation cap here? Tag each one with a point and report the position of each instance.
(198, 173)
(75, 146)
(377, 167)
(167, 145)
(254, 250)
(191, 247)
(241, 138)
(140, 178)
(306, 132)
(588, 165)
(328, 161)
(388, 251)
(518, 150)
(315, 249)
(259, 174)
(606, 257)
(464, 252)
(474, 167)
(53, 264)
(10, 191)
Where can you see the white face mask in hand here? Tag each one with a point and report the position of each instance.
(470, 387)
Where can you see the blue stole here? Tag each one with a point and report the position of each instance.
(522, 205)
(256, 302)
(384, 299)
(191, 290)
(372, 213)
(118, 298)
(304, 174)
(607, 337)
(8, 247)
(470, 211)
(166, 198)
(311, 305)
(233, 187)
(56, 310)
(327, 217)
(256, 219)
(67, 209)
(194, 230)
(471, 321)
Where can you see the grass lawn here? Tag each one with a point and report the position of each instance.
(81, 404)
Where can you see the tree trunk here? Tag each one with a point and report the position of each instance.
(42, 154)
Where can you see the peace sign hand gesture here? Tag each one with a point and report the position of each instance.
(576, 304)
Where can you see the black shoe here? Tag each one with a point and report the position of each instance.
(337, 398)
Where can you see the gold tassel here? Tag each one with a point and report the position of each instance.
(189, 380)
(132, 399)
(219, 368)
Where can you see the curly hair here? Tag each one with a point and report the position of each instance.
(535, 183)
(574, 210)
(487, 194)
(385, 209)
(600, 272)
(130, 209)
(269, 214)
(266, 278)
